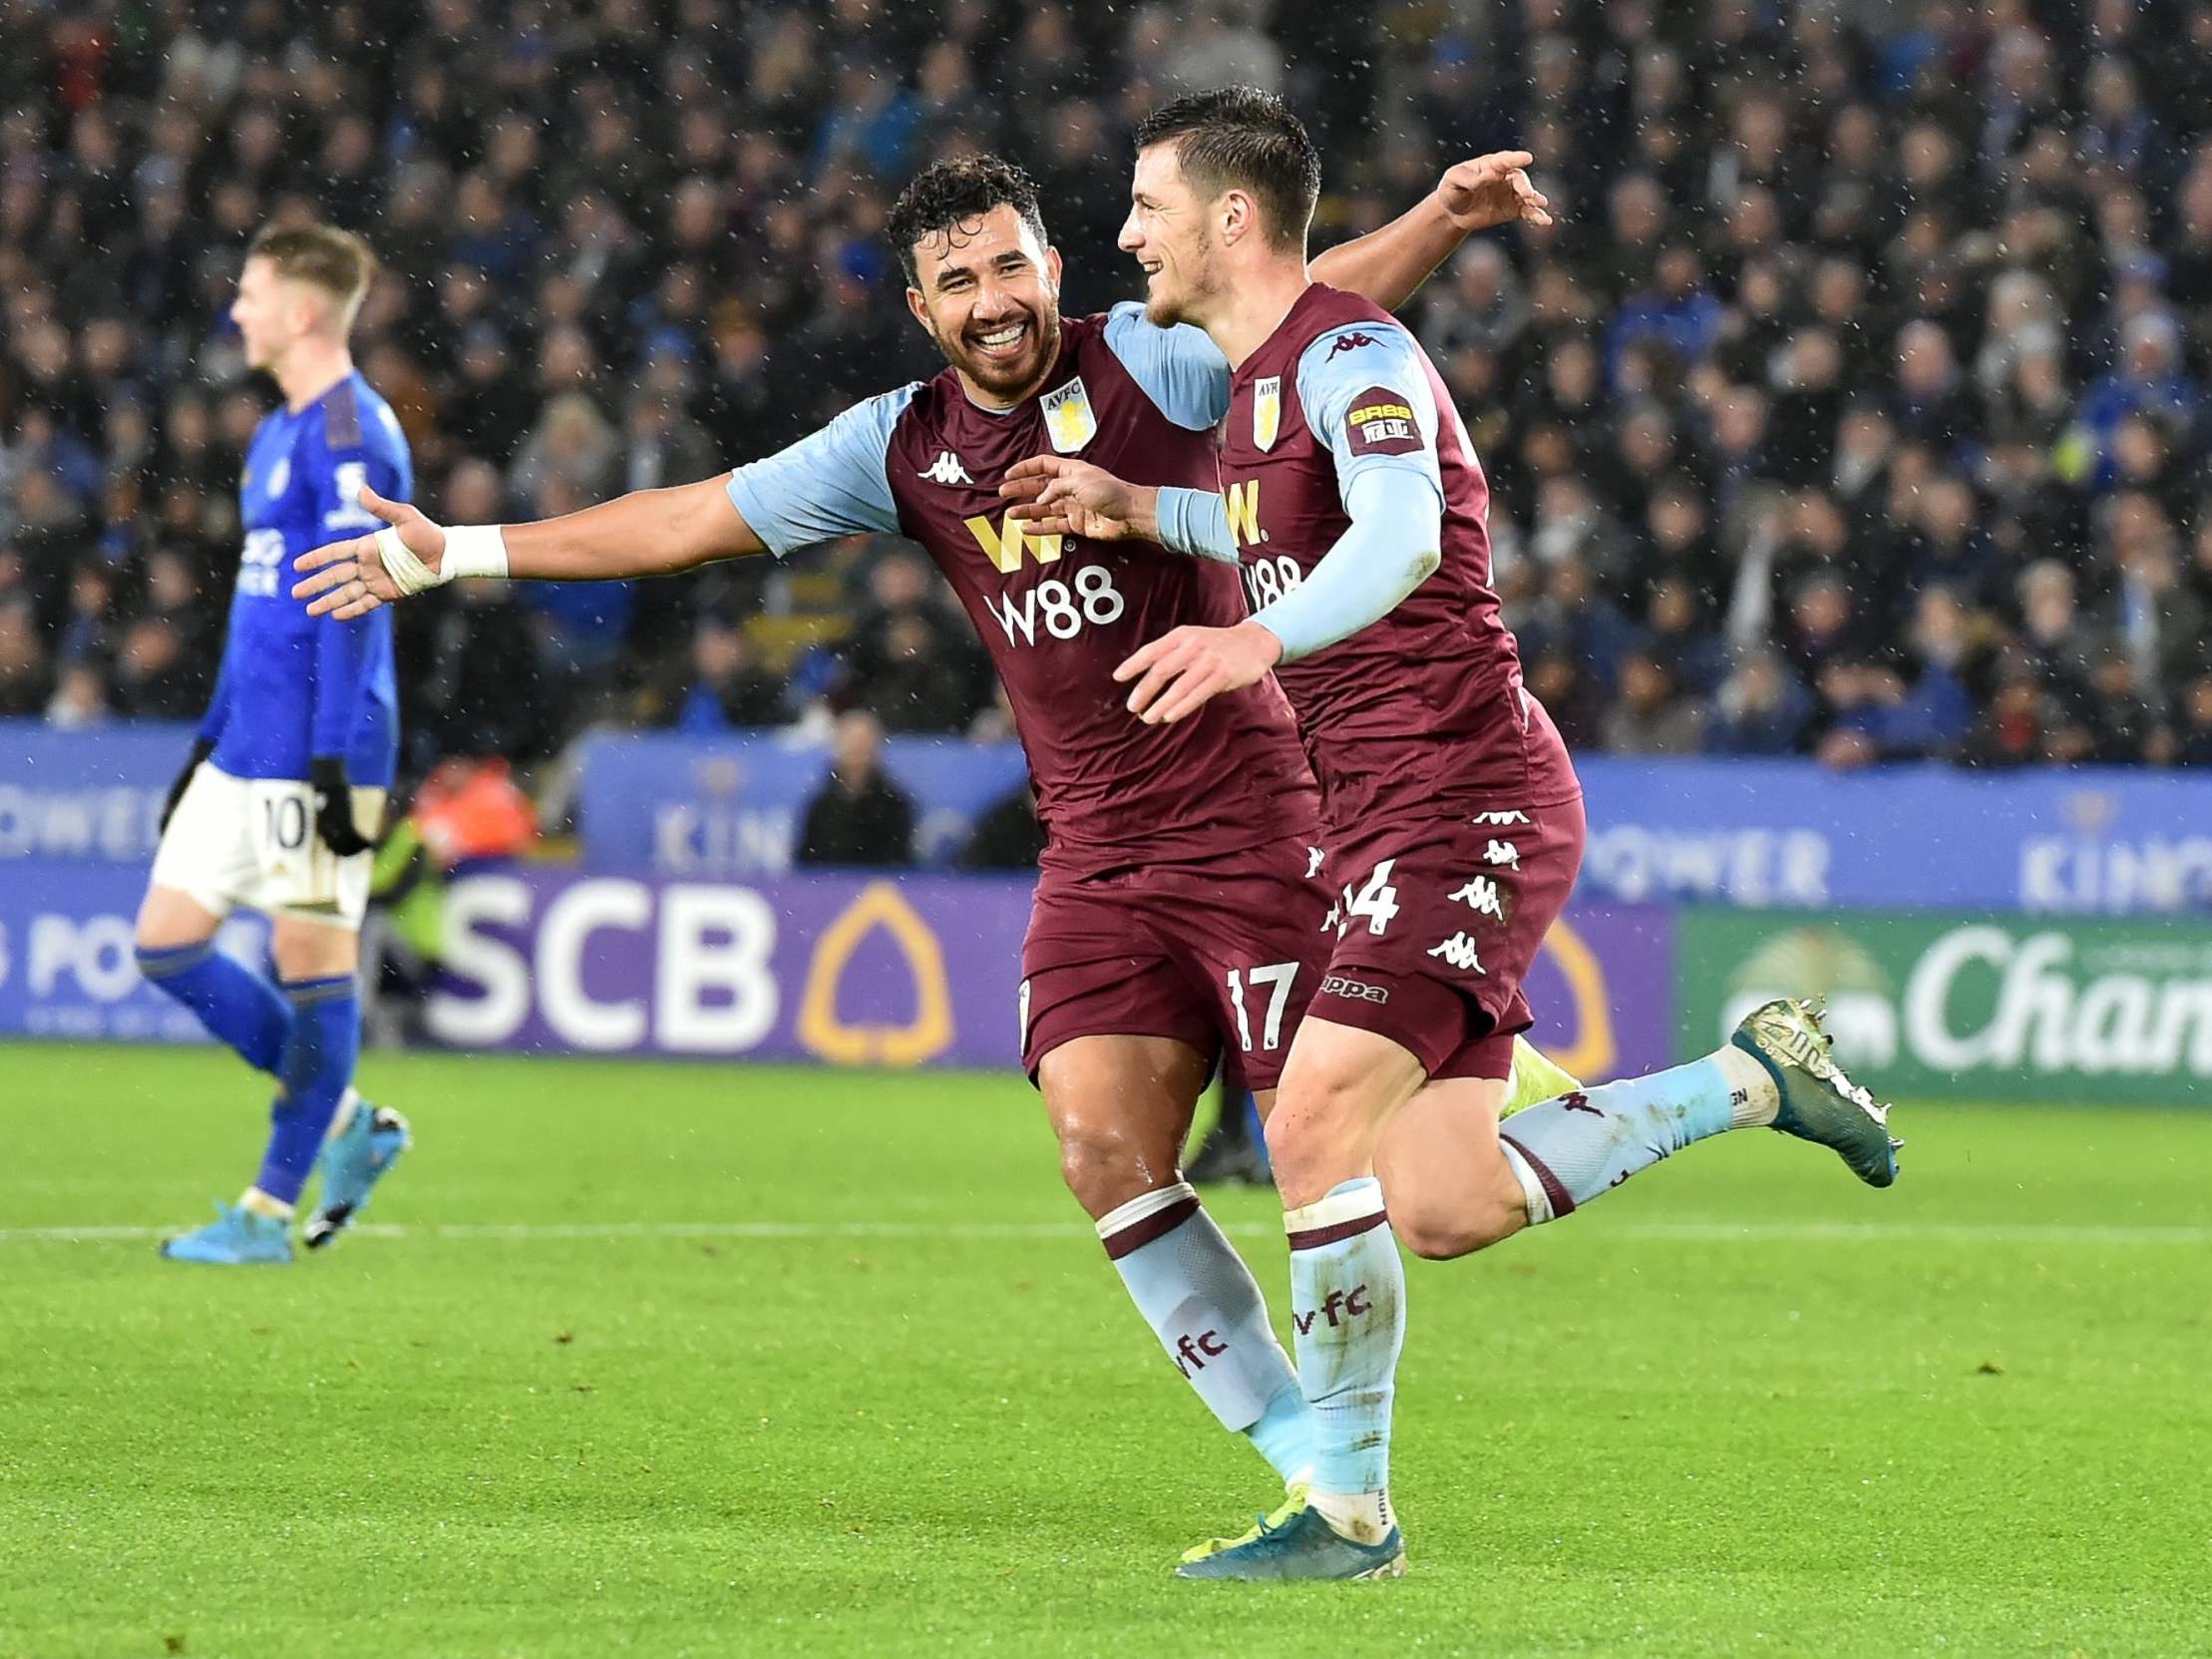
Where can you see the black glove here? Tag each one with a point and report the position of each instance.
(202, 750)
(334, 807)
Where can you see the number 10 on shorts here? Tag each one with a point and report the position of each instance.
(1278, 976)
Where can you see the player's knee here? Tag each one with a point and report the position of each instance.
(166, 922)
(305, 950)
(1438, 1227)
(1105, 1166)
(1314, 1131)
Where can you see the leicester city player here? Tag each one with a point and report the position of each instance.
(279, 803)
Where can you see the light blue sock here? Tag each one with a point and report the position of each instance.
(236, 1005)
(1348, 1308)
(1570, 1151)
(1204, 1305)
(318, 1071)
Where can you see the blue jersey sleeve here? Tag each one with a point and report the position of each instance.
(357, 442)
(830, 483)
(1180, 368)
(1365, 393)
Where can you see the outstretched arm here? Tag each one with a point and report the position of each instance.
(645, 533)
(1388, 265)
(830, 483)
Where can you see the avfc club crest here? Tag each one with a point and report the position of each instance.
(1068, 417)
(1267, 410)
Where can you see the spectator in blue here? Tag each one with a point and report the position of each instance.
(727, 689)
(1760, 709)
(1678, 311)
(1882, 714)
(2152, 380)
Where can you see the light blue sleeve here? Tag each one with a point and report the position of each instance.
(1392, 432)
(1394, 543)
(1196, 522)
(830, 483)
(1180, 368)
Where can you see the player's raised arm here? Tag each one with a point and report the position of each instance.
(1389, 265)
(828, 483)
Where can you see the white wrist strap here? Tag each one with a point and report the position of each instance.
(472, 549)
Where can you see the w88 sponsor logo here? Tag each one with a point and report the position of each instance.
(1059, 610)
(259, 564)
(1268, 580)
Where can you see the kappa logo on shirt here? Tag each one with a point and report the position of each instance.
(945, 469)
(1351, 342)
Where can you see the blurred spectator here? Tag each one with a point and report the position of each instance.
(80, 698)
(1760, 709)
(24, 682)
(1007, 837)
(860, 817)
(1870, 298)
(1648, 718)
(727, 689)
(911, 661)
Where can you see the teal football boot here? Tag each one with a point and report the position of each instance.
(1819, 1104)
(235, 1238)
(1294, 1542)
(352, 1164)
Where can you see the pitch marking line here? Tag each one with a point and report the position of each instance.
(1688, 1231)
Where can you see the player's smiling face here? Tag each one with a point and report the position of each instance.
(1166, 232)
(988, 293)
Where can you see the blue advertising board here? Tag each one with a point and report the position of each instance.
(2079, 841)
(94, 795)
(1790, 833)
(732, 807)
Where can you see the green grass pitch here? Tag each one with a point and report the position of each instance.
(702, 1361)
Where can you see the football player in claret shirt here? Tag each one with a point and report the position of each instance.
(1176, 919)
(279, 803)
(1350, 500)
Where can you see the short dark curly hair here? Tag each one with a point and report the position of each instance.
(947, 194)
(1244, 138)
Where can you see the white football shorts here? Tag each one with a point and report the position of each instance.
(252, 842)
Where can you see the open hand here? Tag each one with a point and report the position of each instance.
(350, 579)
(1187, 666)
(1492, 189)
(1054, 496)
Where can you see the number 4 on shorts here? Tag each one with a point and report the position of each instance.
(1276, 973)
(1378, 901)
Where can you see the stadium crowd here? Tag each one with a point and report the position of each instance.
(1856, 408)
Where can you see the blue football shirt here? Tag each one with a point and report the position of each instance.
(296, 688)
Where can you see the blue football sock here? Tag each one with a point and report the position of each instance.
(318, 1071)
(1348, 1308)
(1203, 1303)
(1573, 1150)
(236, 1005)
